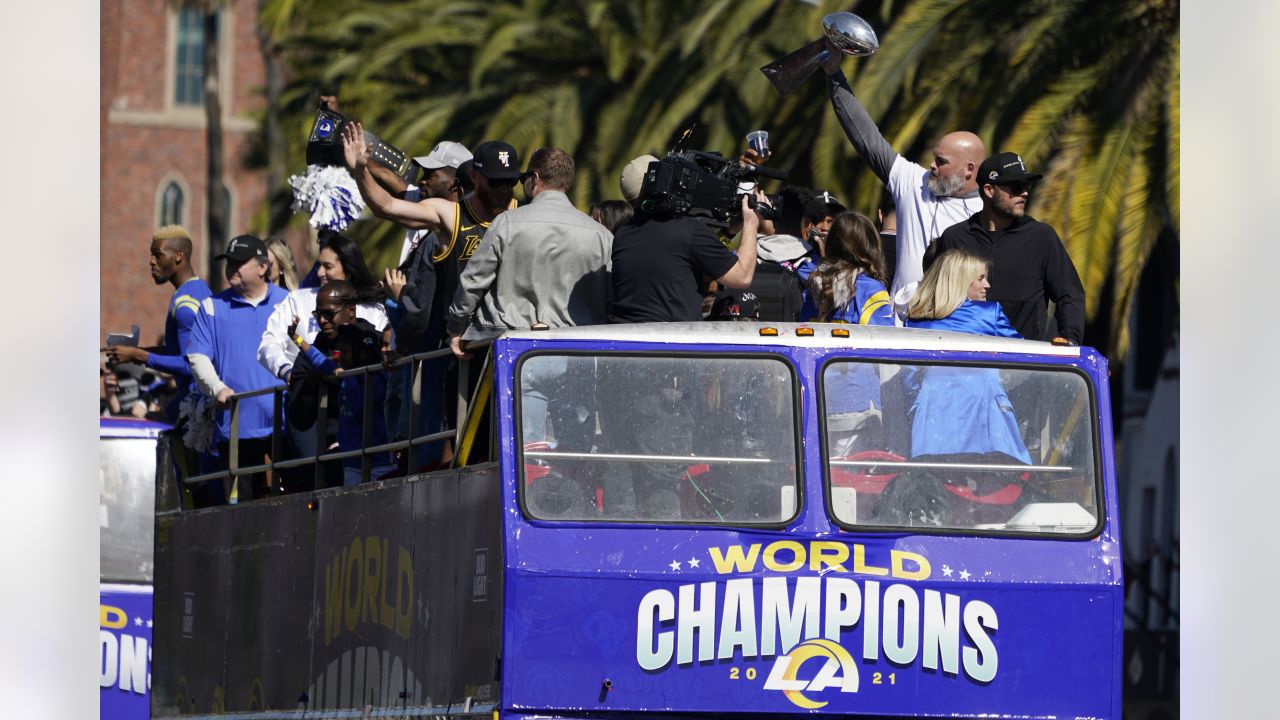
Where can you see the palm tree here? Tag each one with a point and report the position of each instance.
(1085, 89)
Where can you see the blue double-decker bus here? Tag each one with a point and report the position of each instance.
(686, 521)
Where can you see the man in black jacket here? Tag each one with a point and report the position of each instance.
(1029, 264)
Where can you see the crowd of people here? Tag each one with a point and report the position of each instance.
(952, 249)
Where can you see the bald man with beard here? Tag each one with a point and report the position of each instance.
(928, 200)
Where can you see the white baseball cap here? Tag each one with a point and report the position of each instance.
(446, 153)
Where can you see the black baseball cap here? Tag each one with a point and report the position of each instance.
(244, 247)
(1003, 168)
(496, 160)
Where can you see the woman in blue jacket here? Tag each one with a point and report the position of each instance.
(848, 286)
(961, 409)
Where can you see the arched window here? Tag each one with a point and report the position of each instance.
(171, 204)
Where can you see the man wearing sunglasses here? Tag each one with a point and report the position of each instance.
(1029, 264)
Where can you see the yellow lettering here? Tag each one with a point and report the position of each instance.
(404, 592)
(733, 559)
(112, 617)
(771, 556)
(353, 576)
(820, 551)
(372, 581)
(922, 565)
(860, 562)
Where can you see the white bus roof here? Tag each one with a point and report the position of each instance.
(748, 333)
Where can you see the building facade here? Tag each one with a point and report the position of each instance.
(153, 144)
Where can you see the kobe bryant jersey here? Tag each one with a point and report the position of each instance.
(452, 255)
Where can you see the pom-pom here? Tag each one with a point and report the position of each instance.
(197, 409)
(329, 194)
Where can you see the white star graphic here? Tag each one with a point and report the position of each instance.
(964, 574)
(148, 623)
(946, 571)
(675, 565)
(137, 621)
(693, 562)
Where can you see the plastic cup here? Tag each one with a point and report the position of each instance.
(758, 140)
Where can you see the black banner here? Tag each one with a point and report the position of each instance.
(386, 595)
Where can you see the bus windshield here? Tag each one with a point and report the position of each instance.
(127, 509)
(652, 438)
(966, 447)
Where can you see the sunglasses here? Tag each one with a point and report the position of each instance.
(1015, 188)
(326, 314)
(502, 183)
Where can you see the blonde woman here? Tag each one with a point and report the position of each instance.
(953, 296)
(282, 271)
(961, 410)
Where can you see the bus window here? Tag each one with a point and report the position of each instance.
(647, 438)
(960, 447)
(127, 510)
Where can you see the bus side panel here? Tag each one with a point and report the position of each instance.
(124, 640)
(240, 591)
(382, 595)
(455, 523)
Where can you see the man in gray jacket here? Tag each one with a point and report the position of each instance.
(545, 263)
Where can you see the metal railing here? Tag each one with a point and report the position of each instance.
(459, 433)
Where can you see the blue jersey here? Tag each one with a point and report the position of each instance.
(183, 308)
(981, 317)
(228, 330)
(869, 305)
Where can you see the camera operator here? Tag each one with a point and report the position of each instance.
(660, 260)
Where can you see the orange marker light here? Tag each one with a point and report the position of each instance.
(840, 332)
(804, 332)
(768, 332)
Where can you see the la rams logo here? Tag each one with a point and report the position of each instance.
(324, 129)
(837, 671)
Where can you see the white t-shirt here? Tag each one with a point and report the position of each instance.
(411, 237)
(277, 351)
(922, 216)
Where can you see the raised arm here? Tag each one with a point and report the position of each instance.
(861, 130)
(432, 214)
(739, 276)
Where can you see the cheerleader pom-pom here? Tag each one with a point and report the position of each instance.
(198, 411)
(329, 195)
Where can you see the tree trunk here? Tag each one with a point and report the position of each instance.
(215, 199)
(273, 137)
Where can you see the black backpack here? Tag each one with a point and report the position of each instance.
(779, 292)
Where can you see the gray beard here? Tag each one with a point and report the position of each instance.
(943, 187)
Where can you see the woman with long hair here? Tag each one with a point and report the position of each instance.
(953, 296)
(848, 284)
(282, 270)
(960, 409)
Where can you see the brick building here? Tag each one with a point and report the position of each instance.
(152, 132)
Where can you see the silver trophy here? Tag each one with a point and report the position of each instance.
(841, 32)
